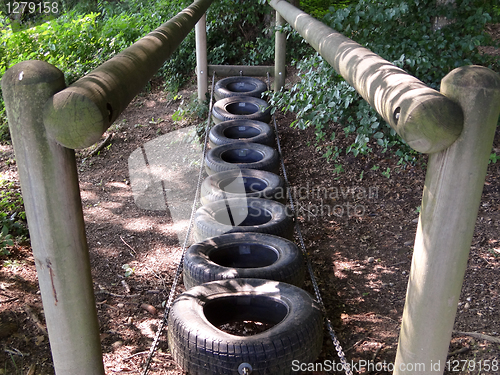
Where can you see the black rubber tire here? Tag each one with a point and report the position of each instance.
(241, 155)
(201, 348)
(255, 183)
(243, 255)
(239, 86)
(241, 108)
(241, 131)
(249, 215)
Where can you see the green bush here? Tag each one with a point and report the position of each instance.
(77, 43)
(80, 52)
(318, 8)
(233, 37)
(400, 32)
(12, 215)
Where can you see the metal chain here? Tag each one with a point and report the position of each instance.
(178, 272)
(336, 342)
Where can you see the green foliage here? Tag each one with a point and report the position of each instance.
(191, 110)
(79, 41)
(241, 32)
(319, 8)
(12, 215)
(387, 173)
(402, 33)
(82, 50)
(129, 271)
(322, 98)
(5, 240)
(233, 37)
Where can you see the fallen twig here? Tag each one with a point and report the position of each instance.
(16, 352)
(158, 276)
(35, 319)
(377, 352)
(136, 354)
(32, 369)
(10, 300)
(130, 247)
(116, 295)
(479, 336)
(301, 207)
(99, 148)
(459, 351)
(355, 344)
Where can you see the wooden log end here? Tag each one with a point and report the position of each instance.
(430, 124)
(73, 120)
(472, 77)
(32, 72)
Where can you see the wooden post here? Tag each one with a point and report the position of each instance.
(450, 202)
(51, 196)
(280, 54)
(201, 58)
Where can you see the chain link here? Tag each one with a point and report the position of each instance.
(186, 239)
(336, 342)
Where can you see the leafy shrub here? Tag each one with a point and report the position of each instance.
(318, 8)
(323, 97)
(81, 51)
(400, 32)
(12, 215)
(77, 43)
(233, 37)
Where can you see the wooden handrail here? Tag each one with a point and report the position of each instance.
(78, 116)
(427, 120)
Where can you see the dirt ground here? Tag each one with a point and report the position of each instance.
(359, 239)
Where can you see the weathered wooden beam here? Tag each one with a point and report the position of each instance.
(236, 70)
(452, 194)
(280, 55)
(78, 116)
(49, 182)
(427, 120)
(201, 58)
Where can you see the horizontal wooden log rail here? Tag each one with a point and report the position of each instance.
(78, 116)
(236, 70)
(427, 120)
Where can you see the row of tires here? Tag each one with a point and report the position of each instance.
(244, 310)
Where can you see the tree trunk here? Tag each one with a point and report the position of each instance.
(439, 22)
